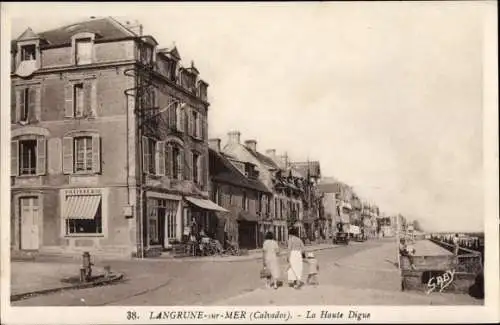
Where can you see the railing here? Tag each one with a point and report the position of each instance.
(468, 261)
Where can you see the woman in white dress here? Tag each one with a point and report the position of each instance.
(296, 251)
(270, 251)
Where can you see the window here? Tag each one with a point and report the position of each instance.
(83, 222)
(196, 167)
(149, 151)
(78, 100)
(28, 156)
(83, 51)
(83, 154)
(28, 52)
(27, 150)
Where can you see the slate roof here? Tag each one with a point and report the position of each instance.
(263, 159)
(222, 170)
(106, 29)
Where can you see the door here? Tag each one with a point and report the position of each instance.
(29, 223)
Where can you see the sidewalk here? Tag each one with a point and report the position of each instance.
(253, 254)
(369, 277)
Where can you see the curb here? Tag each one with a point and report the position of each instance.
(114, 278)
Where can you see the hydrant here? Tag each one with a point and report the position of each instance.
(86, 270)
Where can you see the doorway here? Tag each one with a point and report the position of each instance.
(29, 222)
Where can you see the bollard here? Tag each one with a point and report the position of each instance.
(87, 265)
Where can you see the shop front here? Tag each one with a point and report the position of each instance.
(248, 230)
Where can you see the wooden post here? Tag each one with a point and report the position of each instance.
(397, 242)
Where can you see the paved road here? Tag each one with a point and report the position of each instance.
(191, 283)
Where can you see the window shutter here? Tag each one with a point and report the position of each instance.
(188, 162)
(96, 153)
(13, 102)
(20, 94)
(181, 163)
(200, 162)
(144, 154)
(188, 120)
(67, 155)
(68, 100)
(160, 158)
(14, 158)
(180, 117)
(87, 91)
(31, 104)
(198, 126)
(93, 98)
(204, 171)
(168, 160)
(204, 127)
(41, 156)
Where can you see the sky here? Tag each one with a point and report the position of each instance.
(387, 96)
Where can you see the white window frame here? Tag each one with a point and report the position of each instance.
(85, 139)
(104, 192)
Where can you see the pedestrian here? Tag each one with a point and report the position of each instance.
(295, 262)
(312, 269)
(407, 252)
(271, 267)
(456, 245)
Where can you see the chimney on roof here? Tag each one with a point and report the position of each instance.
(251, 144)
(134, 27)
(271, 153)
(234, 137)
(214, 144)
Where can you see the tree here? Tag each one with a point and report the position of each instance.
(417, 226)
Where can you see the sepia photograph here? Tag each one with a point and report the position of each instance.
(249, 162)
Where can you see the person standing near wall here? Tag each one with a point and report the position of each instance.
(456, 245)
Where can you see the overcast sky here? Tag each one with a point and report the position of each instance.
(387, 96)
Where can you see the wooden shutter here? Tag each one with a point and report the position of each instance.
(188, 119)
(68, 100)
(198, 125)
(31, 104)
(96, 153)
(181, 163)
(181, 117)
(41, 156)
(204, 171)
(13, 107)
(93, 98)
(168, 160)
(200, 167)
(160, 158)
(67, 155)
(204, 127)
(87, 101)
(14, 158)
(188, 161)
(145, 168)
(21, 103)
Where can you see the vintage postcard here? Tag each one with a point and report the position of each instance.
(258, 162)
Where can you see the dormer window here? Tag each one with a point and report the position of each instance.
(83, 51)
(28, 52)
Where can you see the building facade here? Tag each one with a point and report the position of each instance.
(109, 141)
(235, 186)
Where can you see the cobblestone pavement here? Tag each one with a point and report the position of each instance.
(177, 283)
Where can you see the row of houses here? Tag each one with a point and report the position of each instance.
(110, 151)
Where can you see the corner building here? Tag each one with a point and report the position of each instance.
(109, 150)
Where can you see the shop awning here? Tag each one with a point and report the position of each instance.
(205, 204)
(81, 206)
(247, 216)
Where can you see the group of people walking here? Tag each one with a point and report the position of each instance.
(295, 261)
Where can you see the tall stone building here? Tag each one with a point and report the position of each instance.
(109, 141)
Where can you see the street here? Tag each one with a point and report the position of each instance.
(197, 283)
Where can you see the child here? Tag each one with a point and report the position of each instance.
(313, 269)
